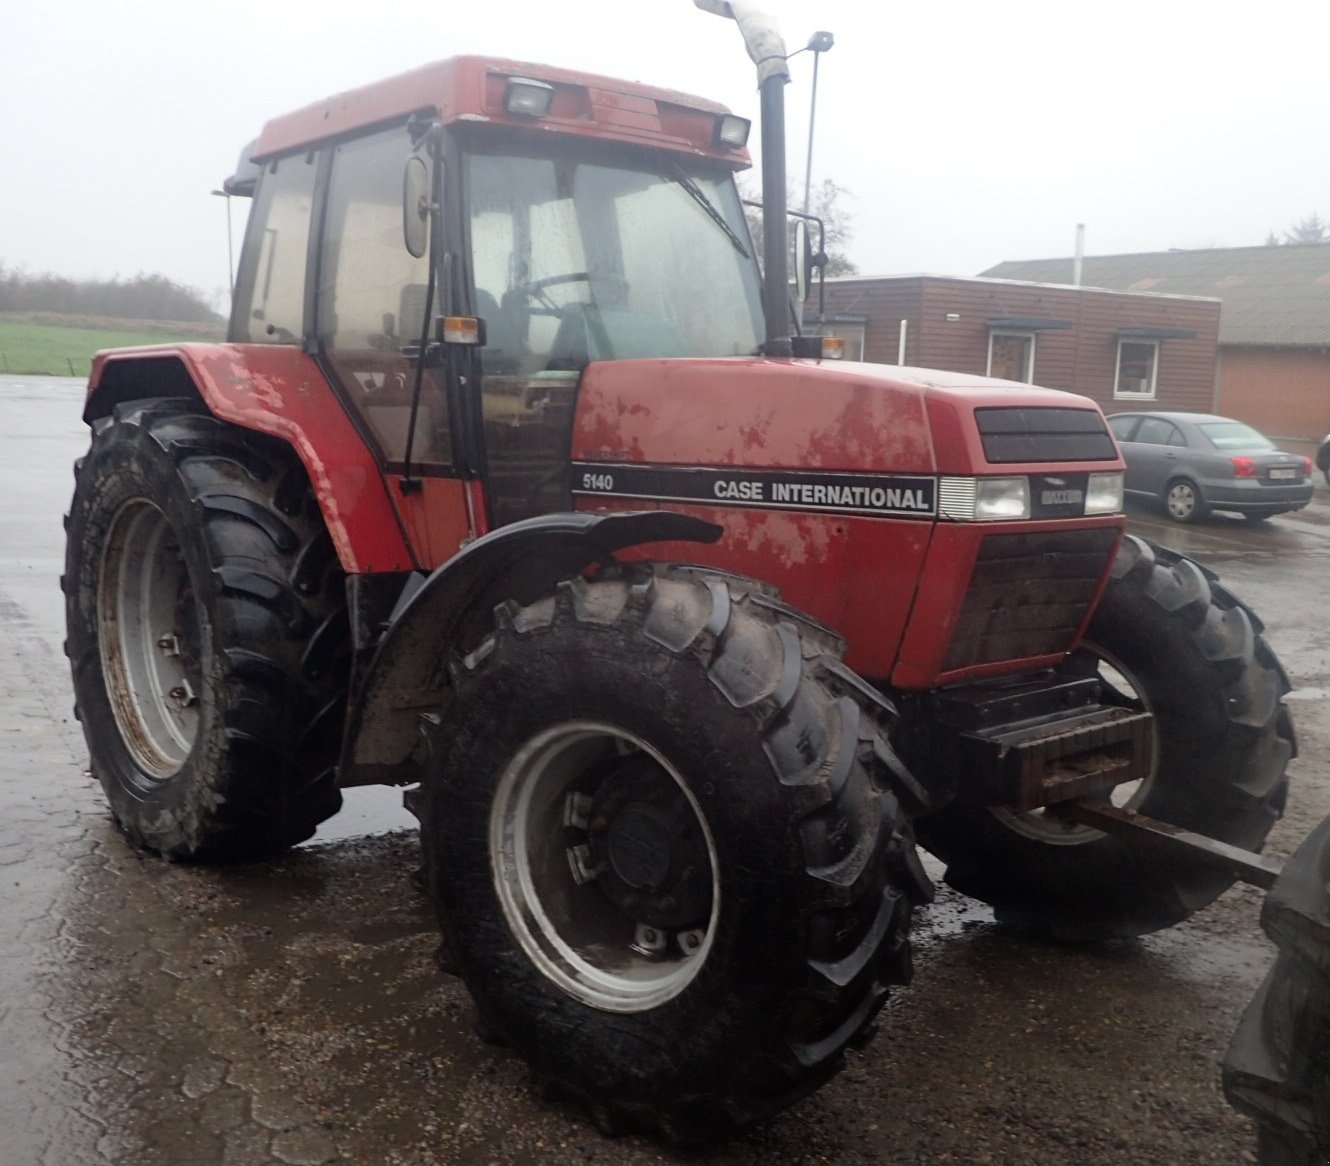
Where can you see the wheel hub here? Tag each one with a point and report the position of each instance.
(605, 870)
(150, 639)
(638, 844)
(646, 837)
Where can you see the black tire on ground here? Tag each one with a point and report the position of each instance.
(1278, 1065)
(666, 840)
(206, 632)
(1168, 636)
(1184, 502)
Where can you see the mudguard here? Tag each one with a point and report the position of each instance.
(278, 390)
(454, 608)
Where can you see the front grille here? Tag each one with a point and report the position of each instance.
(1044, 435)
(1028, 594)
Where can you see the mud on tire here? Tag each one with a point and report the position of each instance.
(1195, 657)
(206, 633)
(665, 837)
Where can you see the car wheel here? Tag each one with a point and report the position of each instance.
(1183, 501)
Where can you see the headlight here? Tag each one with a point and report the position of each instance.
(984, 499)
(1103, 493)
(1008, 499)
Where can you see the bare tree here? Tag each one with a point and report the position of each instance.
(827, 203)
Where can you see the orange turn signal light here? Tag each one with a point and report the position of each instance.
(467, 330)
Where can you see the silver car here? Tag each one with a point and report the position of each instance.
(1196, 462)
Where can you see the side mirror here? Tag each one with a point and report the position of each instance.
(415, 207)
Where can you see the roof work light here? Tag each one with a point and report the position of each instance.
(732, 131)
(527, 98)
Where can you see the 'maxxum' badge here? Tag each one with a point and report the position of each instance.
(911, 495)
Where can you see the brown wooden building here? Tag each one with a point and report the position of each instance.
(1274, 337)
(1125, 350)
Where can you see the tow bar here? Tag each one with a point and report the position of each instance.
(1165, 838)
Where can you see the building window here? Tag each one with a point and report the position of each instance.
(1138, 364)
(1011, 356)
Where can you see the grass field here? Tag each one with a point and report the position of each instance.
(30, 345)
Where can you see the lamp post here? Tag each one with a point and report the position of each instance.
(817, 44)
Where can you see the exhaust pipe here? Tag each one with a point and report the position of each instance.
(767, 49)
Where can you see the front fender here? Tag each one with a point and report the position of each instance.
(453, 609)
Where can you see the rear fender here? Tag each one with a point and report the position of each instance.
(407, 683)
(278, 390)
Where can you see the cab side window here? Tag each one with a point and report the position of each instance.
(270, 286)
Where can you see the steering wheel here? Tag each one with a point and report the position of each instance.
(534, 289)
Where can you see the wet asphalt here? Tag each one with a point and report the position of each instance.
(290, 1011)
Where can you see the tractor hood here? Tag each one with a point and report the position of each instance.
(845, 417)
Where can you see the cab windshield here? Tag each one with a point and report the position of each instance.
(577, 259)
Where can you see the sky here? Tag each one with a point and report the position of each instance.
(966, 133)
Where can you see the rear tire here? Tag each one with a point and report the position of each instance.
(1184, 502)
(1278, 1065)
(665, 843)
(1169, 638)
(206, 632)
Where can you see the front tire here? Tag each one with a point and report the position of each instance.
(206, 632)
(664, 838)
(1166, 637)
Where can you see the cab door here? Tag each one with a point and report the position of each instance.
(371, 311)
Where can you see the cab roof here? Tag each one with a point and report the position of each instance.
(471, 89)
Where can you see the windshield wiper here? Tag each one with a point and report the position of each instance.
(699, 197)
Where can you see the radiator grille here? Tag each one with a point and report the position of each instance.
(1028, 594)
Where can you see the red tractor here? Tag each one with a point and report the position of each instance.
(490, 494)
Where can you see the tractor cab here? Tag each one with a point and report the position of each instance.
(572, 222)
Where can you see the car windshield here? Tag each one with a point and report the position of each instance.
(578, 256)
(1234, 435)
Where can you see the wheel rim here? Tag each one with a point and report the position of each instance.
(604, 866)
(149, 639)
(1181, 501)
(1043, 825)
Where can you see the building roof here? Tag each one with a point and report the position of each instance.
(1273, 296)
